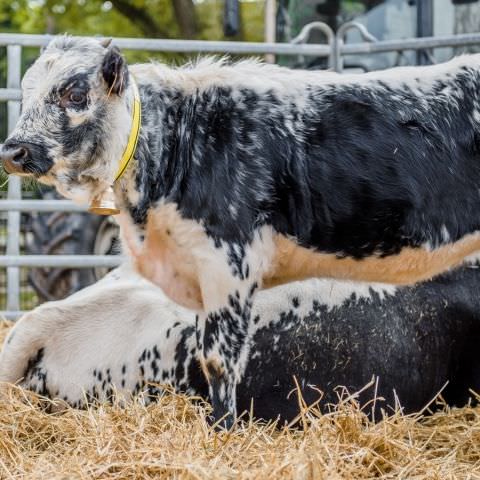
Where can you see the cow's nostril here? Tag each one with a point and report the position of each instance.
(14, 157)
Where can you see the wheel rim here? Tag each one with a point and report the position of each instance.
(106, 243)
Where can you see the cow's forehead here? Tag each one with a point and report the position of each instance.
(63, 59)
(76, 46)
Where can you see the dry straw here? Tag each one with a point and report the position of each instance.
(171, 439)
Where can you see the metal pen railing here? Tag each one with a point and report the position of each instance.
(14, 73)
(333, 51)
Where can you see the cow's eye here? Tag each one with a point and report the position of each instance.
(77, 97)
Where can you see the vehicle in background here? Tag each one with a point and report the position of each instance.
(385, 20)
(64, 233)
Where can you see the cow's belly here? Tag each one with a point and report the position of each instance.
(168, 258)
(292, 262)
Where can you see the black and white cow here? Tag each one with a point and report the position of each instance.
(248, 175)
(121, 334)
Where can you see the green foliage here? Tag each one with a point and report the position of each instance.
(98, 17)
(150, 18)
(78, 17)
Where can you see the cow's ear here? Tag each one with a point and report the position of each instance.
(115, 71)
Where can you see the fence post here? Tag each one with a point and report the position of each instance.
(270, 26)
(14, 65)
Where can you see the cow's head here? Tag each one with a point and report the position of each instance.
(75, 118)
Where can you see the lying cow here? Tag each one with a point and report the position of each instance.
(251, 175)
(121, 334)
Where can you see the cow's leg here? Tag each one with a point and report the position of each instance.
(224, 343)
(229, 275)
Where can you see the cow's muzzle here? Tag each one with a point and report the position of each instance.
(13, 157)
(25, 158)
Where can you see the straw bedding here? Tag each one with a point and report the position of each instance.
(171, 439)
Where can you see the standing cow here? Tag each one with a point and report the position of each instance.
(251, 175)
(121, 335)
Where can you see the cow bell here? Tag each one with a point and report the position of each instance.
(104, 204)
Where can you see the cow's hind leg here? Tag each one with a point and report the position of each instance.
(224, 338)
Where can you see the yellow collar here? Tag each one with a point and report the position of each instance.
(104, 204)
(129, 151)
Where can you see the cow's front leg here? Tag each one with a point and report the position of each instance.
(229, 275)
(224, 342)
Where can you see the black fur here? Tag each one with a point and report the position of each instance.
(362, 179)
(114, 71)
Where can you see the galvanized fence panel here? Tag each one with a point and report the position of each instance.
(334, 51)
(14, 62)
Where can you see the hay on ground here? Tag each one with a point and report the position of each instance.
(171, 439)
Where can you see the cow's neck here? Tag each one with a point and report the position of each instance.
(160, 158)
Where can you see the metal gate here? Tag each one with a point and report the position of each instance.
(333, 51)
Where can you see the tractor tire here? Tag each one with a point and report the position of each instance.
(65, 233)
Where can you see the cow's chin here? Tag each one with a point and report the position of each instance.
(79, 194)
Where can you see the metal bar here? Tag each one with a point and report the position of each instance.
(206, 46)
(40, 206)
(462, 40)
(270, 26)
(322, 27)
(340, 41)
(24, 40)
(54, 261)
(12, 315)
(14, 59)
(10, 94)
(168, 45)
